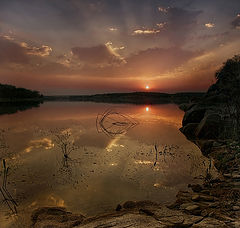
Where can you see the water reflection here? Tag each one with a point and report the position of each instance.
(13, 107)
(114, 123)
(101, 171)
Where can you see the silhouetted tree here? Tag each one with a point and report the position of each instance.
(228, 83)
(12, 92)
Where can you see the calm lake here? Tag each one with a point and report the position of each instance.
(131, 152)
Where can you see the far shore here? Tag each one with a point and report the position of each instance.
(132, 98)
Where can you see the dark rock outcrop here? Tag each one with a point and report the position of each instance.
(215, 116)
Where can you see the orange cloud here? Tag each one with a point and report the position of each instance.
(44, 50)
(100, 55)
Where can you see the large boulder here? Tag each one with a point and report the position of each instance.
(189, 130)
(216, 116)
(209, 127)
(193, 115)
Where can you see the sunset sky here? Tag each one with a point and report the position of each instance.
(98, 46)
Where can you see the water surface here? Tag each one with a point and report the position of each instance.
(101, 171)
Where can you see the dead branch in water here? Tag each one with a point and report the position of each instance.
(65, 142)
(113, 123)
(8, 199)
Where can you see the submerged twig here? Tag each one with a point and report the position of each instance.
(63, 140)
(8, 199)
(156, 158)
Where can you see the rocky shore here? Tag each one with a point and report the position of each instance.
(213, 204)
(213, 125)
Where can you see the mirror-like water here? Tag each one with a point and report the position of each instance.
(148, 160)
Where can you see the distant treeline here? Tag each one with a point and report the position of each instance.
(13, 93)
(133, 98)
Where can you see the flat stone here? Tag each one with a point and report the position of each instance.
(55, 217)
(228, 175)
(204, 213)
(166, 212)
(206, 198)
(236, 184)
(192, 207)
(210, 223)
(236, 224)
(124, 220)
(185, 205)
(129, 205)
(213, 205)
(191, 219)
(175, 220)
(195, 187)
(196, 197)
(236, 208)
(205, 191)
(236, 176)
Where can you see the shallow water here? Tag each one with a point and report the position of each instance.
(103, 169)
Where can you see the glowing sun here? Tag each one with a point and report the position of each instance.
(147, 87)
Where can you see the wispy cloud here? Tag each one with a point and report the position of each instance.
(163, 9)
(146, 31)
(161, 25)
(112, 29)
(43, 50)
(236, 22)
(210, 25)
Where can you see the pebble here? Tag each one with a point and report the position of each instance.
(196, 197)
(206, 198)
(236, 176)
(185, 205)
(236, 208)
(192, 207)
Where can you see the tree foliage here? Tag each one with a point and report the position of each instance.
(230, 69)
(12, 92)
